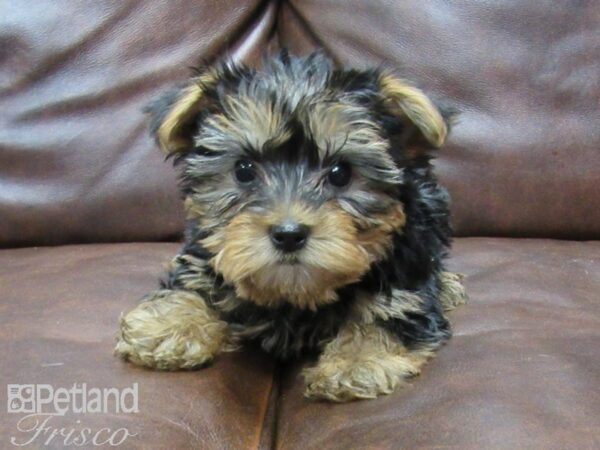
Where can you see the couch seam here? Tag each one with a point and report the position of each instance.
(240, 32)
(271, 412)
(306, 27)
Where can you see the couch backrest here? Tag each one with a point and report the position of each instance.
(77, 164)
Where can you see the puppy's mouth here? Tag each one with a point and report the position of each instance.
(271, 265)
(289, 260)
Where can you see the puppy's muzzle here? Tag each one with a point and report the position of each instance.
(289, 236)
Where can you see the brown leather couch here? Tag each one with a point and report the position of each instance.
(89, 216)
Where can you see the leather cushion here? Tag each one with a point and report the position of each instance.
(77, 163)
(58, 318)
(522, 370)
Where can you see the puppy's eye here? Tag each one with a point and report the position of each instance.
(244, 171)
(340, 174)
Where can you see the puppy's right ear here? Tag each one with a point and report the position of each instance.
(174, 115)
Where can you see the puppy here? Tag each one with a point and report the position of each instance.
(314, 224)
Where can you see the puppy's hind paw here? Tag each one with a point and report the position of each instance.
(171, 330)
(452, 292)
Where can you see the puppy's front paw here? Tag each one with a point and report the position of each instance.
(343, 380)
(171, 330)
(362, 362)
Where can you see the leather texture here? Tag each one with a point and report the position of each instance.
(77, 163)
(77, 166)
(59, 314)
(522, 370)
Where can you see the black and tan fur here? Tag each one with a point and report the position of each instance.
(368, 290)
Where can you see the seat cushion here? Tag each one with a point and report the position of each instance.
(522, 371)
(58, 317)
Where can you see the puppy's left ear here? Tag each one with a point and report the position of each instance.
(424, 125)
(174, 116)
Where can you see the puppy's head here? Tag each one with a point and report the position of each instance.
(293, 172)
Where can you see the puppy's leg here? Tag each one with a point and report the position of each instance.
(362, 362)
(171, 329)
(370, 355)
(452, 291)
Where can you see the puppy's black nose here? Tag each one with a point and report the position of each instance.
(289, 236)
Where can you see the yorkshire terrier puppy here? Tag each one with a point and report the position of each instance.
(314, 224)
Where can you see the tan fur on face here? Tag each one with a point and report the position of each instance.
(172, 330)
(346, 129)
(248, 122)
(376, 239)
(194, 209)
(362, 362)
(334, 125)
(416, 106)
(333, 257)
